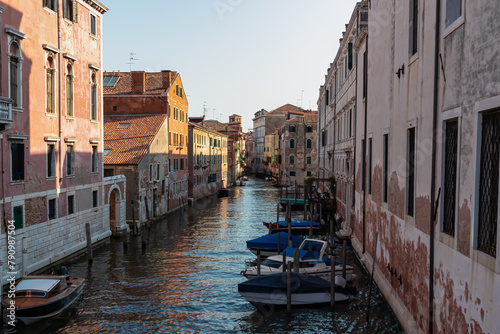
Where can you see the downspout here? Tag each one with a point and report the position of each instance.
(364, 150)
(61, 72)
(433, 171)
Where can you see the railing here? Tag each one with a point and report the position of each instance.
(5, 110)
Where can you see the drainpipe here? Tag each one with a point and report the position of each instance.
(433, 171)
(61, 72)
(364, 151)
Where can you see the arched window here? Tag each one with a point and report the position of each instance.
(291, 128)
(15, 74)
(69, 90)
(292, 160)
(309, 143)
(50, 85)
(93, 96)
(292, 143)
(309, 129)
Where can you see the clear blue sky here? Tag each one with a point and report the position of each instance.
(237, 56)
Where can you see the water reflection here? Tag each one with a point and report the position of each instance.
(181, 275)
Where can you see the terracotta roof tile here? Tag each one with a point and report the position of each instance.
(128, 145)
(124, 84)
(288, 108)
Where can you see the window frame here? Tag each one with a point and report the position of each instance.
(94, 198)
(50, 87)
(411, 183)
(94, 159)
(73, 201)
(93, 96)
(70, 89)
(12, 160)
(15, 37)
(52, 199)
(93, 25)
(50, 4)
(70, 160)
(51, 161)
(413, 27)
(449, 28)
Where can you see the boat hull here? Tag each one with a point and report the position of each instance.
(324, 274)
(298, 299)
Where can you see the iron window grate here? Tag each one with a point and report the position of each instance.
(450, 177)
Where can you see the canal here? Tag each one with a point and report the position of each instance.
(181, 276)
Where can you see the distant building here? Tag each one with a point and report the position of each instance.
(51, 133)
(265, 123)
(207, 161)
(298, 149)
(139, 93)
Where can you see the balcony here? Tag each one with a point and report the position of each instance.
(5, 113)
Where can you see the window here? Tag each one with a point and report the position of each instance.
(94, 198)
(94, 159)
(52, 209)
(309, 173)
(15, 74)
(93, 26)
(292, 173)
(17, 158)
(177, 90)
(413, 26)
(309, 160)
(18, 214)
(69, 91)
(292, 143)
(71, 204)
(365, 74)
(309, 129)
(93, 96)
(488, 184)
(50, 86)
(370, 165)
(349, 56)
(180, 91)
(450, 176)
(70, 10)
(410, 189)
(70, 160)
(51, 160)
(453, 11)
(158, 171)
(163, 187)
(182, 164)
(291, 128)
(292, 160)
(385, 176)
(323, 138)
(150, 172)
(350, 123)
(51, 4)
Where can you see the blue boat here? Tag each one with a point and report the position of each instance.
(298, 226)
(268, 244)
(306, 290)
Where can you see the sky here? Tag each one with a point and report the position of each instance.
(234, 56)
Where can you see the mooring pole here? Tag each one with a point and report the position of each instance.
(371, 280)
(290, 244)
(89, 243)
(289, 287)
(279, 242)
(344, 254)
(332, 278)
(296, 256)
(284, 261)
(258, 263)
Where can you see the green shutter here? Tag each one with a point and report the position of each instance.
(18, 217)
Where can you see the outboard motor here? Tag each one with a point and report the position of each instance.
(63, 271)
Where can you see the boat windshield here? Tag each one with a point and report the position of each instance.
(271, 263)
(28, 293)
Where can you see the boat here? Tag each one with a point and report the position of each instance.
(241, 183)
(295, 203)
(298, 226)
(41, 297)
(267, 245)
(312, 261)
(244, 178)
(306, 290)
(223, 192)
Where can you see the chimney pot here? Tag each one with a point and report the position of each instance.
(138, 82)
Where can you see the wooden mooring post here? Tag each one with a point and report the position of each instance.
(258, 262)
(289, 287)
(371, 280)
(296, 257)
(289, 223)
(89, 243)
(284, 261)
(332, 277)
(344, 255)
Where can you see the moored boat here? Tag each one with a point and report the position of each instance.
(267, 245)
(295, 203)
(297, 226)
(41, 297)
(312, 261)
(223, 192)
(306, 290)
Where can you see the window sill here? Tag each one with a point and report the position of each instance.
(50, 11)
(15, 183)
(484, 259)
(70, 118)
(454, 26)
(94, 37)
(447, 239)
(17, 109)
(68, 21)
(94, 121)
(412, 59)
(51, 178)
(51, 115)
(72, 176)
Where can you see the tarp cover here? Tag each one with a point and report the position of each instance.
(277, 283)
(270, 241)
(301, 223)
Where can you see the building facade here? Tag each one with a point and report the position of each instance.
(140, 93)
(338, 109)
(427, 162)
(51, 132)
(298, 149)
(207, 162)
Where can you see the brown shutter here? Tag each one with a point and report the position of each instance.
(75, 11)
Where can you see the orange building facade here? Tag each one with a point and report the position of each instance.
(140, 93)
(51, 130)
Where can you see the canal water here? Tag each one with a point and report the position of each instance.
(181, 276)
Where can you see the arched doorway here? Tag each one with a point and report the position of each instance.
(114, 209)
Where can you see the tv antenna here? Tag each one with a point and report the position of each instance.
(131, 59)
(204, 109)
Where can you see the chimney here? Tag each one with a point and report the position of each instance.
(165, 79)
(138, 82)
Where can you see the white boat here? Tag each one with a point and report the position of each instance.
(306, 290)
(40, 297)
(312, 261)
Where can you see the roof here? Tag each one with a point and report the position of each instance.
(202, 127)
(214, 125)
(308, 118)
(129, 145)
(287, 109)
(153, 83)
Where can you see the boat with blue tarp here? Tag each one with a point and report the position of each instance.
(267, 245)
